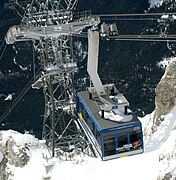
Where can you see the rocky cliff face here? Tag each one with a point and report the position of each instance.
(3, 174)
(165, 98)
(13, 154)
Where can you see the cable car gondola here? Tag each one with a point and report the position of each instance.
(104, 115)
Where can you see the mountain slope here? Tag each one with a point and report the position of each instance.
(22, 154)
(158, 160)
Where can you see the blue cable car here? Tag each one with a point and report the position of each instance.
(110, 126)
(113, 134)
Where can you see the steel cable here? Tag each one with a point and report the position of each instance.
(18, 98)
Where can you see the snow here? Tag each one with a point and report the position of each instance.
(20, 139)
(166, 16)
(8, 98)
(164, 62)
(119, 117)
(33, 170)
(1, 157)
(158, 159)
(134, 167)
(156, 3)
(116, 169)
(15, 62)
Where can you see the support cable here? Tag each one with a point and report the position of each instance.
(3, 52)
(18, 98)
(16, 11)
(2, 44)
(138, 39)
(132, 15)
(128, 19)
(33, 56)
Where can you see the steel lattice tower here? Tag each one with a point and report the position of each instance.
(50, 25)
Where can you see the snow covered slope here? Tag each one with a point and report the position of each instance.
(22, 156)
(157, 162)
